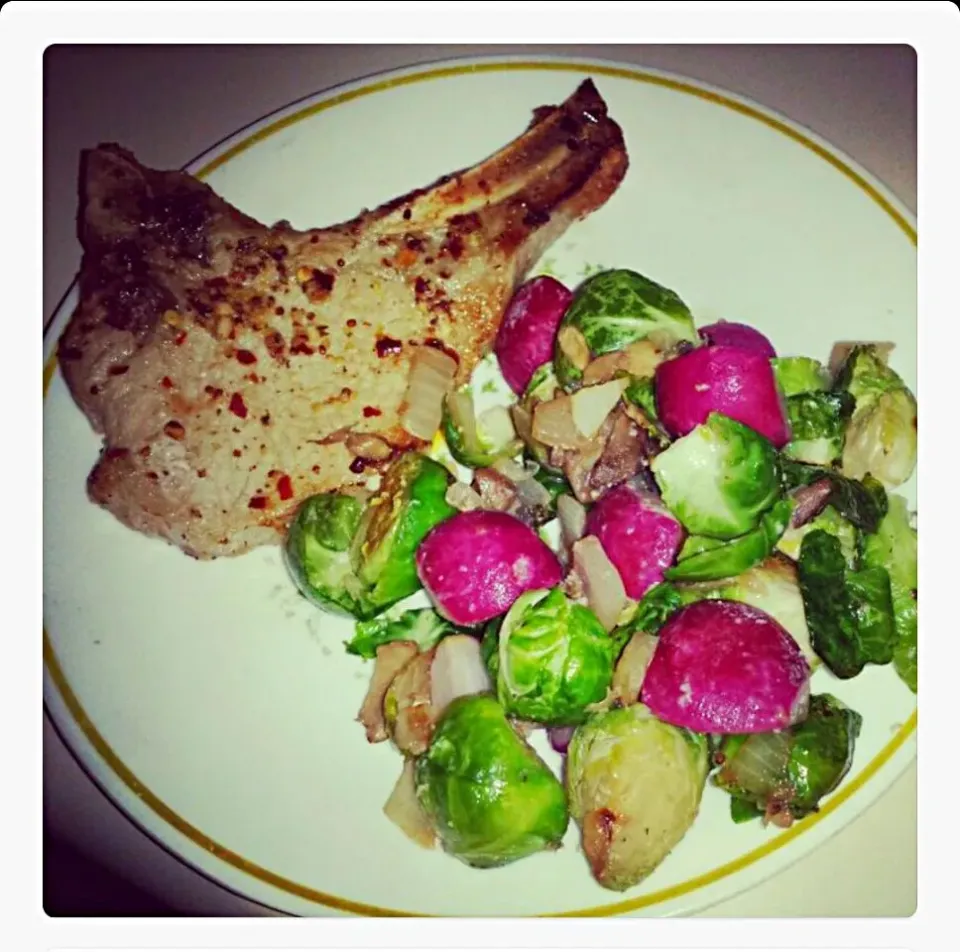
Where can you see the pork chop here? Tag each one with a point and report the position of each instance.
(234, 368)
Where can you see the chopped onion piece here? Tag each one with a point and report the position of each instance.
(632, 667)
(458, 670)
(553, 424)
(432, 373)
(574, 346)
(602, 584)
(760, 764)
(404, 811)
(590, 406)
(463, 497)
(573, 519)
(368, 446)
(514, 470)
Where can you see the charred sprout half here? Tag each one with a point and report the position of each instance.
(796, 375)
(634, 785)
(849, 613)
(553, 659)
(410, 502)
(818, 425)
(612, 310)
(894, 548)
(489, 796)
(881, 437)
(317, 554)
(783, 776)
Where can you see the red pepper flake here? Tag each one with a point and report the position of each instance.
(237, 453)
(180, 338)
(174, 429)
(153, 476)
(246, 357)
(238, 407)
(265, 419)
(119, 370)
(372, 411)
(388, 345)
(166, 383)
(201, 474)
(257, 502)
(351, 323)
(279, 311)
(214, 392)
(284, 487)
(315, 469)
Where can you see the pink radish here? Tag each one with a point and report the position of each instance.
(525, 340)
(723, 667)
(732, 334)
(718, 378)
(476, 564)
(639, 534)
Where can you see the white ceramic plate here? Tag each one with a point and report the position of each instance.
(217, 708)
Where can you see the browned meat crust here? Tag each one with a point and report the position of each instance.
(234, 368)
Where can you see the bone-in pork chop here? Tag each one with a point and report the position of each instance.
(234, 368)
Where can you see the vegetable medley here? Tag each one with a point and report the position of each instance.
(646, 552)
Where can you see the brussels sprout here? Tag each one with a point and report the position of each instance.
(615, 308)
(478, 440)
(862, 502)
(894, 548)
(703, 559)
(317, 554)
(785, 775)
(719, 479)
(796, 375)
(828, 521)
(490, 797)
(849, 613)
(424, 627)
(554, 658)
(881, 436)
(818, 423)
(634, 784)
(411, 501)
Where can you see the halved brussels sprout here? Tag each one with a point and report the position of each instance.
(553, 659)
(477, 440)
(829, 521)
(797, 375)
(881, 436)
(818, 424)
(410, 502)
(634, 784)
(719, 479)
(613, 309)
(894, 548)
(785, 775)
(317, 554)
(490, 797)
(849, 613)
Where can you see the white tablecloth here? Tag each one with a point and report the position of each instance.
(170, 103)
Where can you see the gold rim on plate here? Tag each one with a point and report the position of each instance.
(182, 826)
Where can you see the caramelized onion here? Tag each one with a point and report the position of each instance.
(602, 584)
(404, 810)
(432, 373)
